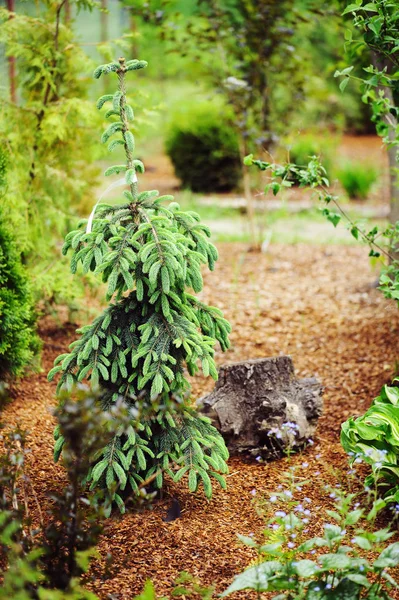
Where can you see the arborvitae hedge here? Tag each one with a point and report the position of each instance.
(18, 340)
(150, 254)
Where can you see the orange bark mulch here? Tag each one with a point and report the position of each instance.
(315, 303)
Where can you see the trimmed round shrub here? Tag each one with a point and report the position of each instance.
(204, 150)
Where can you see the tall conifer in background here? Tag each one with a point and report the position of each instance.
(150, 254)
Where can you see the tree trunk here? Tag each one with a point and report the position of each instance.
(11, 62)
(133, 29)
(249, 198)
(67, 12)
(380, 62)
(104, 21)
(262, 409)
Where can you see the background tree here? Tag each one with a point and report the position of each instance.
(377, 23)
(248, 50)
(46, 136)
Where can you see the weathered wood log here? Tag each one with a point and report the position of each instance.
(262, 409)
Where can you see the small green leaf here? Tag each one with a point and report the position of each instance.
(343, 84)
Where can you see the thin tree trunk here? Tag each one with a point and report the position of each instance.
(133, 29)
(381, 63)
(104, 21)
(11, 62)
(249, 198)
(67, 12)
(393, 167)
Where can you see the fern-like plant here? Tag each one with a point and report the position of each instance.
(150, 253)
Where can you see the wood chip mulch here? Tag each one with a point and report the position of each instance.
(317, 304)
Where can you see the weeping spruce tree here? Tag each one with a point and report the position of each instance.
(150, 254)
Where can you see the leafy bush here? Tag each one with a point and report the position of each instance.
(357, 179)
(47, 563)
(286, 561)
(18, 340)
(151, 256)
(374, 439)
(204, 150)
(303, 148)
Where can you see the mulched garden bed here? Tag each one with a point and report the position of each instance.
(317, 304)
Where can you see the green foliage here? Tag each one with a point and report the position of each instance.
(286, 563)
(48, 137)
(357, 179)
(187, 586)
(46, 563)
(18, 341)
(381, 242)
(377, 23)
(204, 149)
(150, 255)
(373, 438)
(305, 146)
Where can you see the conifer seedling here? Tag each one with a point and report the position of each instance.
(154, 330)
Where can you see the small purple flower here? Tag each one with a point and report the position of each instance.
(291, 545)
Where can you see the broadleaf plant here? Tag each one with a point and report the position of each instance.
(373, 438)
(150, 254)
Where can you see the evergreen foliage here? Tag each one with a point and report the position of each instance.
(150, 255)
(18, 341)
(204, 150)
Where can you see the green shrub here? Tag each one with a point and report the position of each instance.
(204, 150)
(357, 178)
(150, 254)
(18, 340)
(304, 147)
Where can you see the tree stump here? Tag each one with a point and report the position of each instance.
(262, 409)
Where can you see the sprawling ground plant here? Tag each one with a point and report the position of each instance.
(150, 255)
(336, 564)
